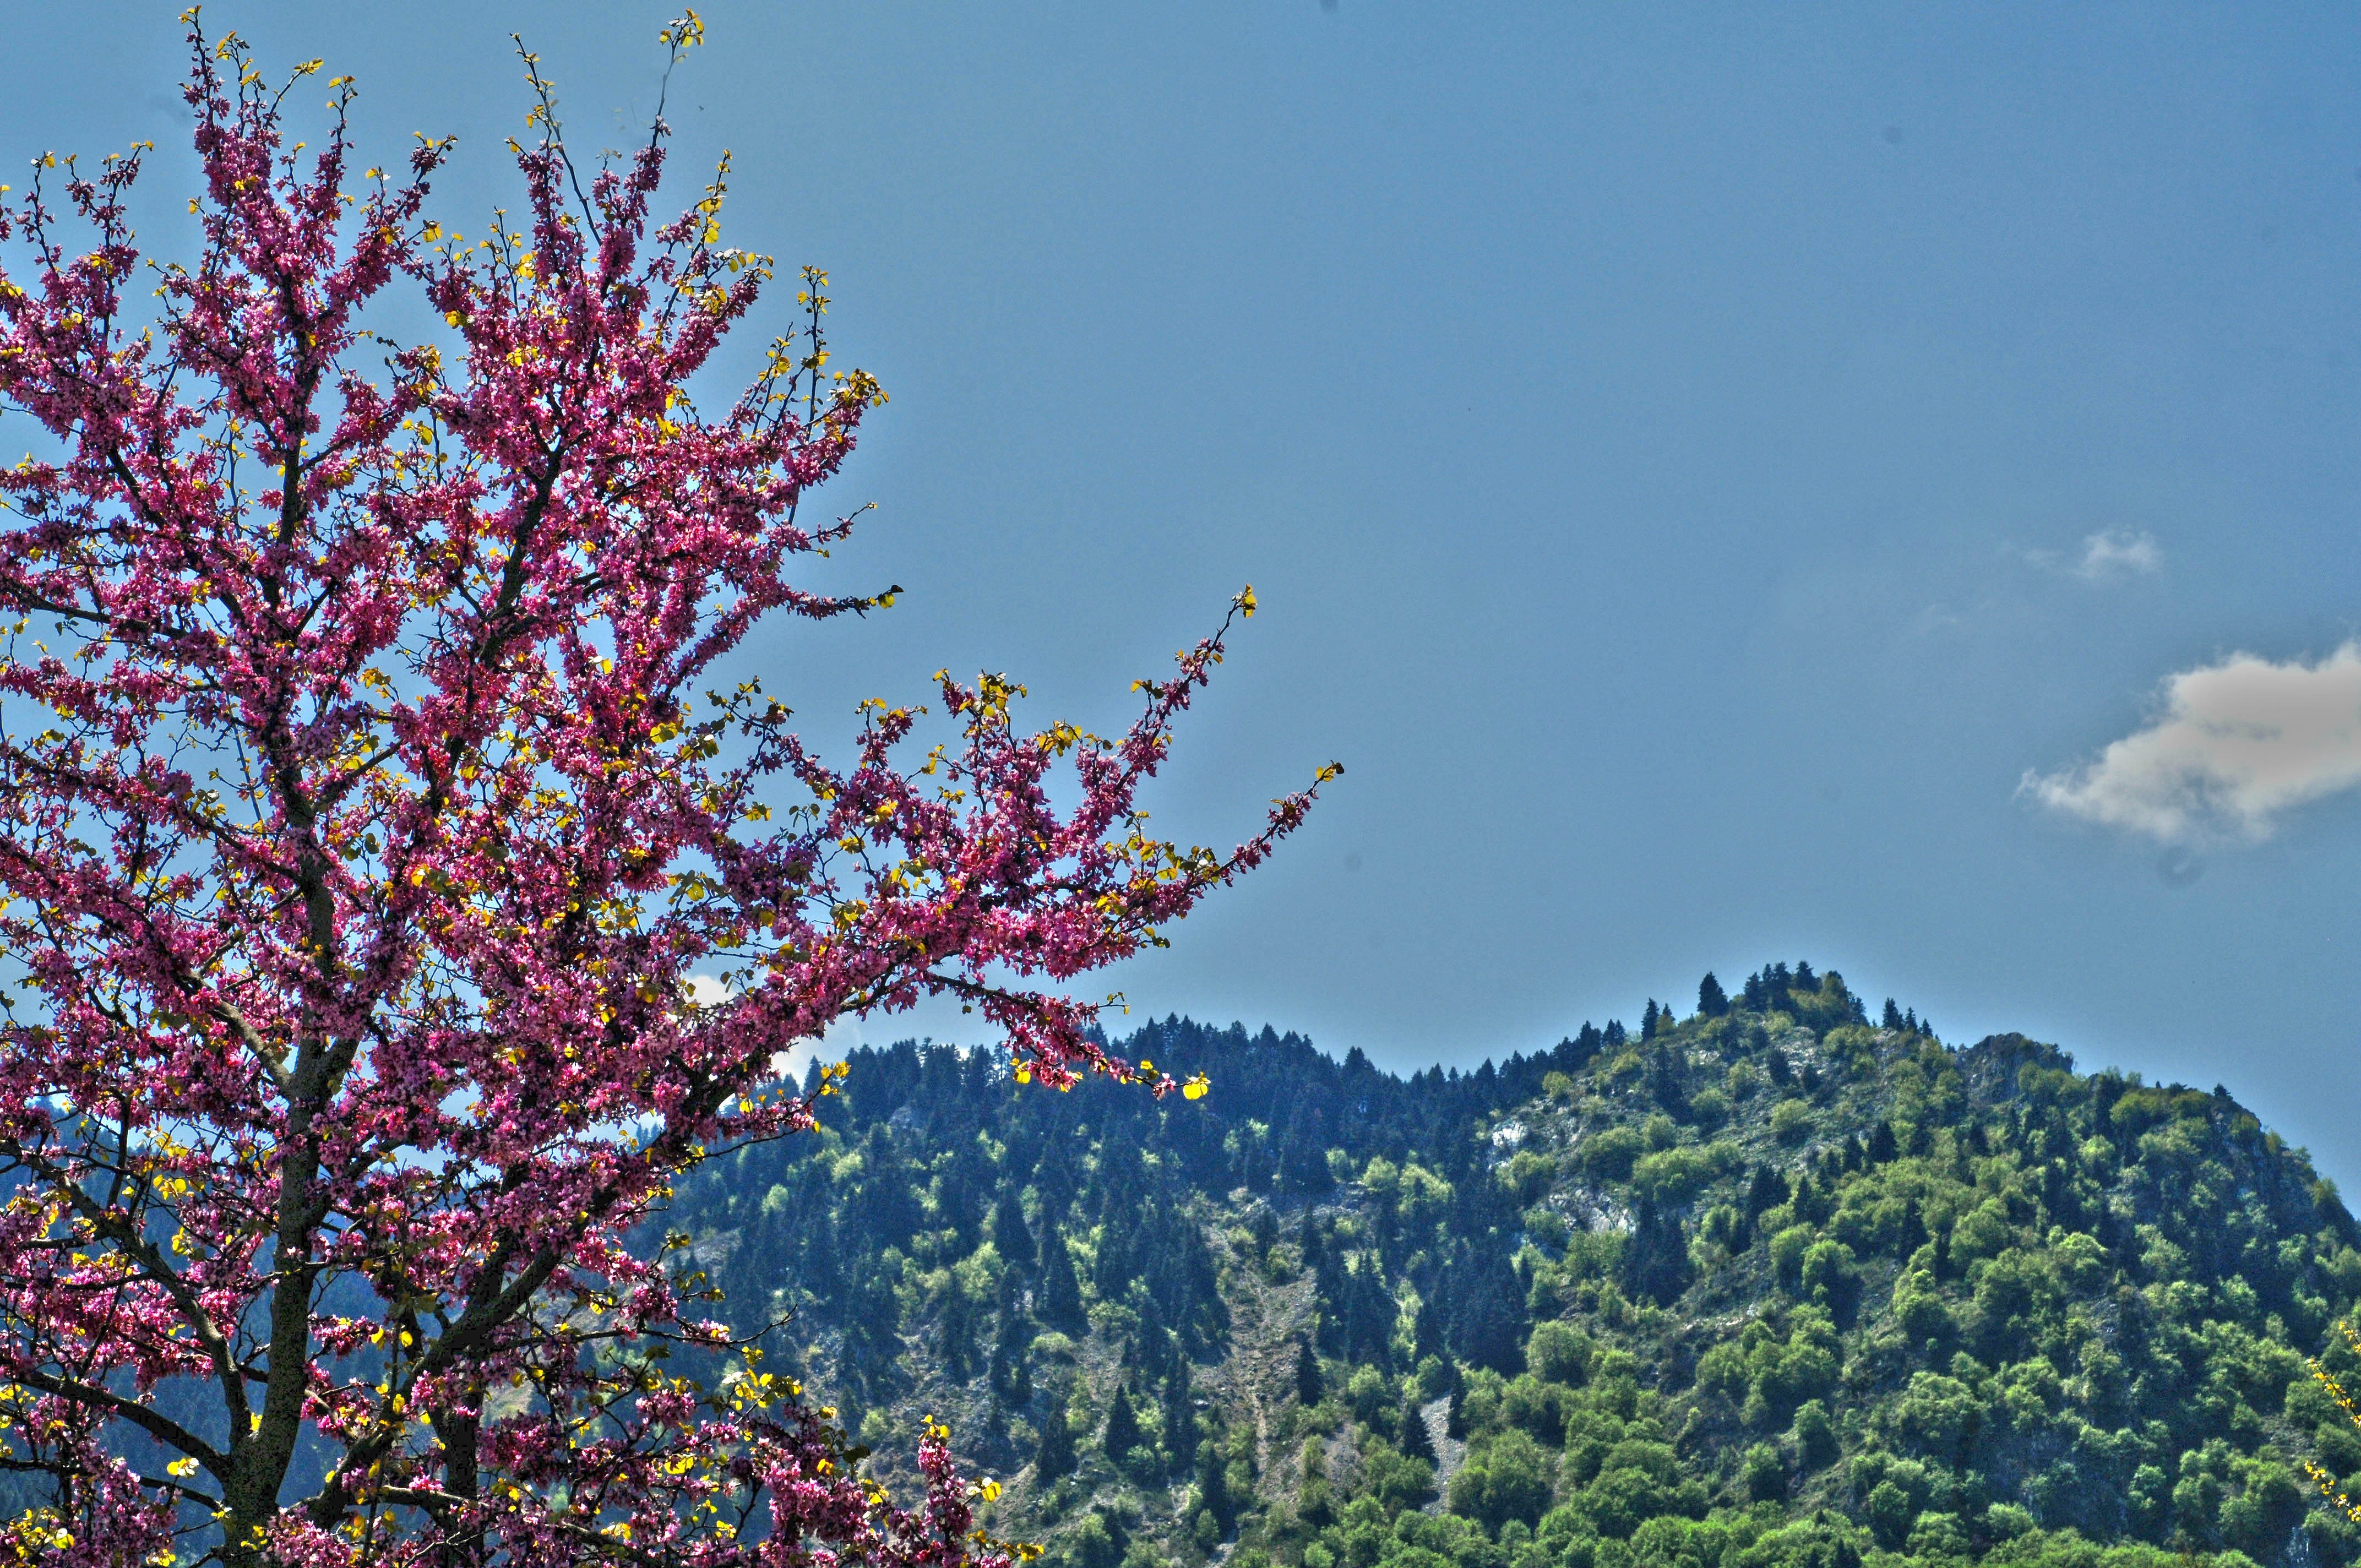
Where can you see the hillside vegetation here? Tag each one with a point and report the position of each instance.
(1774, 1284)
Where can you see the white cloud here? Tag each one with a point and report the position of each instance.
(2240, 744)
(2106, 555)
(2116, 553)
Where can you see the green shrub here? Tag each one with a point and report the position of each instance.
(1763, 1474)
(1507, 1476)
(1558, 1353)
(1608, 1155)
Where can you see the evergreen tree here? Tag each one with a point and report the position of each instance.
(1263, 1225)
(957, 1334)
(1655, 1255)
(1648, 1020)
(1061, 1293)
(1010, 1233)
(1489, 1329)
(1122, 1427)
(1712, 1001)
(1615, 1034)
(1303, 1156)
(1881, 1149)
(1214, 1487)
(1777, 1062)
(1893, 1019)
(1180, 1416)
(1307, 1373)
(1416, 1441)
(1664, 1082)
(1012, 1376)
(1426, 1328)
(1812, 1204)
(1055, 1456)
(1914, 1229)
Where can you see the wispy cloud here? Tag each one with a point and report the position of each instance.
(2106, 556)
(2240, 743)
(2117, 552)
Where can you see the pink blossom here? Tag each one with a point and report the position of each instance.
(363, 816)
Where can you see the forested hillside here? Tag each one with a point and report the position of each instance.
(1775, 1283)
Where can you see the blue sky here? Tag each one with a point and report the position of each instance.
(1719, 481)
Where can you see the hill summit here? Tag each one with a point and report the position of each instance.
(1772, 1284)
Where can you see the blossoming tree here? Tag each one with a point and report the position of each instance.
(364, 819)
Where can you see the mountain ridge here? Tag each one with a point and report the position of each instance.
(1769, 1283)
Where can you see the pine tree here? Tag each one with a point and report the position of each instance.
(1812, 1204)
(1010, 1233)
(1892, 1015)
(1214, 1486)
(1055, 1457)
(1489, 1329)
(1655, 1255)
(956, 1333)
(1180, 1416)
(1012, 1376)
(1304, 1157)
(1664, 1082)
(1648, 1020)
(1427, 1329)
(1307, 1373)
(1122, 1427)
(1712, 1001)
(1882, 1148)
(1061, 1293)
(1416, 1441)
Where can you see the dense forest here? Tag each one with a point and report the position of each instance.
(1776, 1283)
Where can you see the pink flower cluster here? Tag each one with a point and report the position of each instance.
(363, 820)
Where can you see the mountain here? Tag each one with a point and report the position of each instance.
(1770, 1284)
